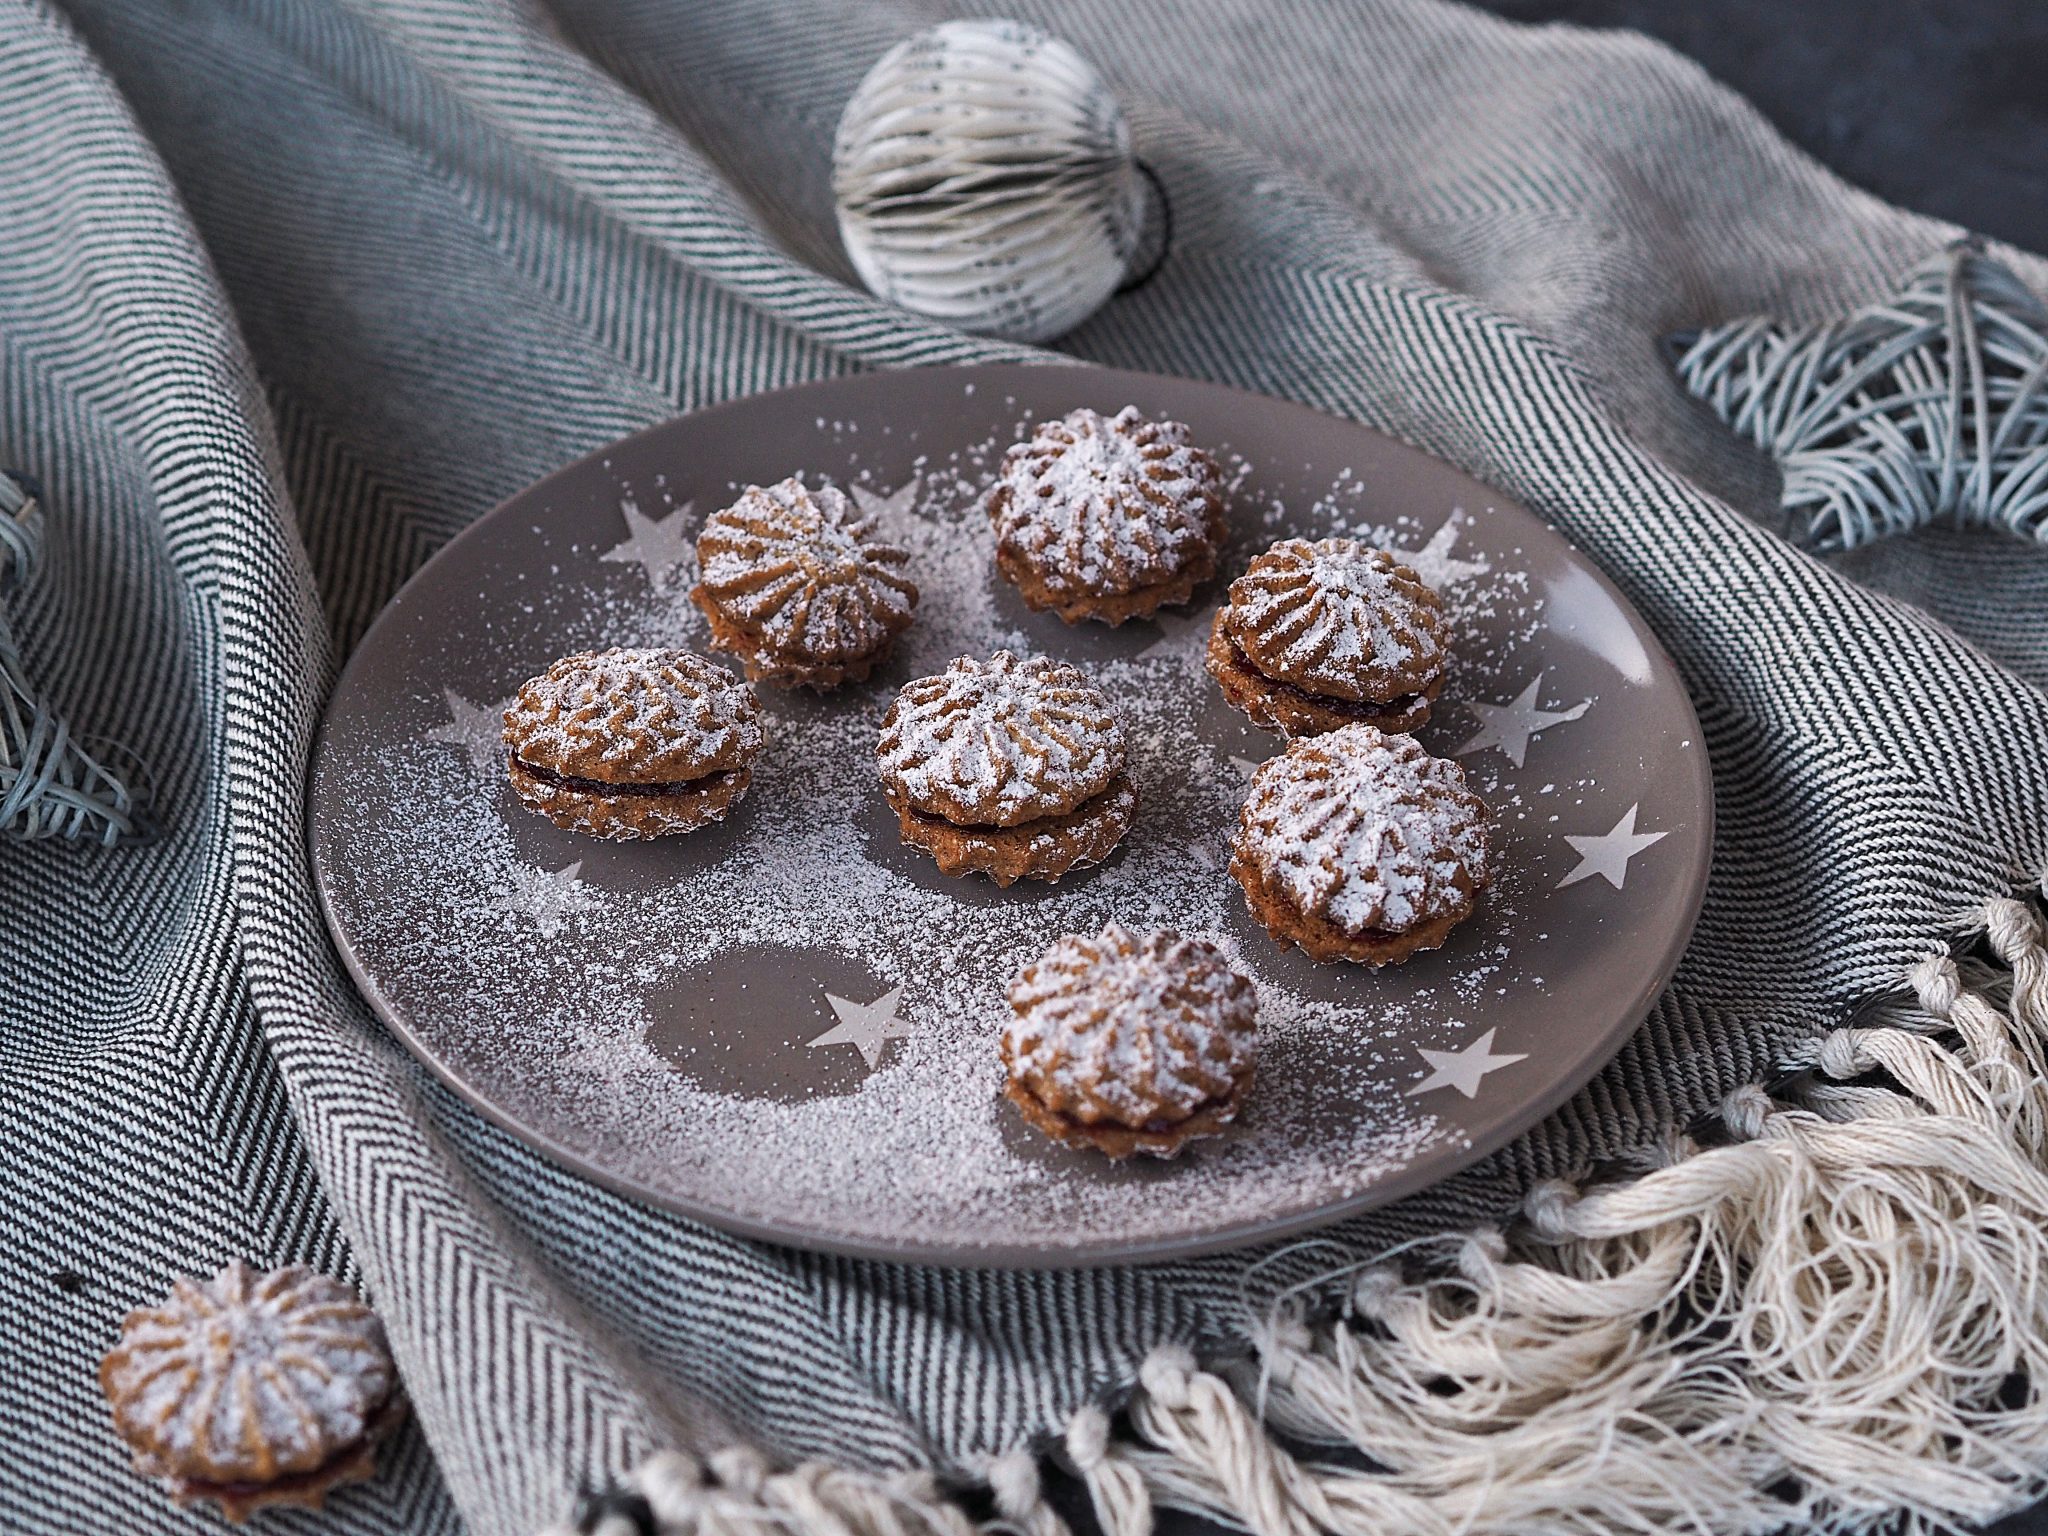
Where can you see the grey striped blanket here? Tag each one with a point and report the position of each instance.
(291, 290)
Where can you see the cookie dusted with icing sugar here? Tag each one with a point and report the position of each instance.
(1044, 849)
(253, 1390)
(1108, 518)
(630, 744)
(1359, 845)
(1012, 768)
(1320, 635)
(798, 584)
(999, 742)
(1130, 1042)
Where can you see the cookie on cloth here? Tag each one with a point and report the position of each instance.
(797, 584)
(1107, 518)
(1327, 634)
(253, 1390)
(1358, 845)
(628, 744)
(1009, 768)
(1130, 1042)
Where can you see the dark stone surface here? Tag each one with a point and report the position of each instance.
(1942, 107)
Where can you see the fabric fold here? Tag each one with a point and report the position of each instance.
(290, 293)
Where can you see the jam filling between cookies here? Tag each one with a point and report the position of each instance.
(296, 1482)
(1350, 709)
(1208, 1106)
(381, 1423)
(1118, 786)
(649, 790)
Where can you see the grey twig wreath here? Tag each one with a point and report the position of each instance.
(1929, 406)
(49, 785)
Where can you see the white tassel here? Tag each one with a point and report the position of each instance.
(740, 1494)
(1116, 1490)
(1020, 1496)
(1815, 1324)
(1839, 1319)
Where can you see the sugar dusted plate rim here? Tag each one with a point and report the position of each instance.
(1495, 1118)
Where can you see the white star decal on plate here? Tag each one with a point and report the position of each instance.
(1433, 562)
(1508, 727)
(479, 729)
(1246, 766)
(1463, 1070)
(1608, 854)
(1173, 628)
(660, 548)
(549, 897)
(864, 1026)
(893, 507)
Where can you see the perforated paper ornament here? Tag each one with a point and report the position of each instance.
(984, 177)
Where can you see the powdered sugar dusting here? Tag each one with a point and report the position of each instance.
(1134, 1029)
(1106, 505)
(1000, 742)
(1367, 830)
(662, 1033)
(1337, 616)
(249, 1376)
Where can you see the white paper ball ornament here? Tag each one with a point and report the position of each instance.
(984, 177)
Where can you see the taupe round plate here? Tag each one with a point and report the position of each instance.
(786, 1025)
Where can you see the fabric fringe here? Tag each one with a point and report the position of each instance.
(737, 1493)
(1831, 1310)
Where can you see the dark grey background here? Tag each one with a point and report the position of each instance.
(1941, 107)
(1938, 105)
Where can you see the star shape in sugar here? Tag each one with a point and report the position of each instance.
(1608, 854)
(549, 897)
(867, 1027)
(1434, 562)
(892, 508)
(1465, 1069)
(479, 729)
(660, 547)
(1507, 727)
(1923, 407)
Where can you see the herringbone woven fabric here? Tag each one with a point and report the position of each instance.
(291, 290)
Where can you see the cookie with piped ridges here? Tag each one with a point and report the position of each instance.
(1107, 517)
(253, 1390)
(631, 744)
(1322, 634)
(802, 586)
(1359, 845)
(1012, 767)
(1130, 1042)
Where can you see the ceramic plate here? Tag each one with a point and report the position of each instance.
(786, 1025)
